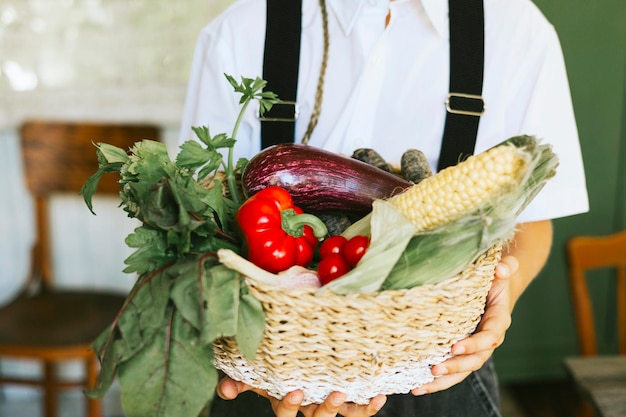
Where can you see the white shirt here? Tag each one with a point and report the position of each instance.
(386, 86)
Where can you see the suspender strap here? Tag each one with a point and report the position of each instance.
(280, 69)
(464, 104)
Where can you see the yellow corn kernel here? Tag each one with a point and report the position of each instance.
(463, 188)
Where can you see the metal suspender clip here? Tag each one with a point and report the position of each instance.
(467, 104)
(283, 111)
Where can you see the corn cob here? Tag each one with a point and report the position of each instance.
(488, 192)
(462, 189)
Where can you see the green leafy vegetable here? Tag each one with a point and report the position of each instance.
(166, 196)
(157, 381)
(136, 323)
(250, 324)
(161, 342)
(221, 290)
(152, 250)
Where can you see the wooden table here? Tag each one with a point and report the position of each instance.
(603, 380)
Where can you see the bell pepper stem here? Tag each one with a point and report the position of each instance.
(294, 223)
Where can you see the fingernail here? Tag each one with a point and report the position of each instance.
(296, 397)
(502, 270)
(338, 399)
(440, 370)
(458, 350)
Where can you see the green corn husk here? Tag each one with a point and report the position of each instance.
(445, 251)
(442, 252)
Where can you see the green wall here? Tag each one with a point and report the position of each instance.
(593, 36)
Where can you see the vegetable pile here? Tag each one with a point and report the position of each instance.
(197, 244)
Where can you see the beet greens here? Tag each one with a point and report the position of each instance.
(160, 343)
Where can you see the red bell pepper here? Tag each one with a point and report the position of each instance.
(277, 234)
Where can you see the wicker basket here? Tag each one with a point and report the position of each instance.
(359, 344)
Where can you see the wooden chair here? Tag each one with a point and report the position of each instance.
(589, 252)
(586, 253)
(43, 323)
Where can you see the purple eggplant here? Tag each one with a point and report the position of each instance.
(319, 180)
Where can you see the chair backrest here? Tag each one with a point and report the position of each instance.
(592, 252)
(58, 157)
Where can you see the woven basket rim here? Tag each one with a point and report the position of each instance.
(301, 291)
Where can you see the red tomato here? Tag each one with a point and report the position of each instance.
(355, 248)
(333, 244)
(331, 267)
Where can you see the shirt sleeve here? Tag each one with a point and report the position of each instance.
(549, 115)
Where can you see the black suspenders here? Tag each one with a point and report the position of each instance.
(464, 104)
(280, 69)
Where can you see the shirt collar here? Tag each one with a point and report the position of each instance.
(437, 12)
(348, 11)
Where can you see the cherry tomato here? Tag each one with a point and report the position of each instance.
(355, 248)
(331, 267)
(333, 244)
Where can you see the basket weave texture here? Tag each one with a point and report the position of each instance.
(360, 344)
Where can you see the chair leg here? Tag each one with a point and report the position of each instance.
(50, 405)
(94, 406)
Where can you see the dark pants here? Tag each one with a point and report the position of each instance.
(476, 396)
